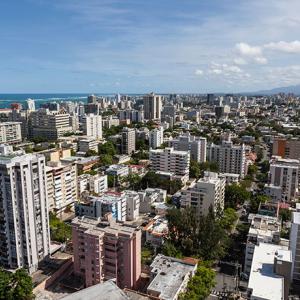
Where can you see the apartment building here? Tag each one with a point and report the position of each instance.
(10, 132)
(24, 224)
(156, 137)
(284, 173)
(106, 250)
(132, 115)
(85, 145)
(98, 206)
(286, 148)
(295, 248)
(132, 205)
(49, 124)
(270, 274)
(207, 192)
(263, 229)
(168, 160)
(92, 126)
(128, 140)
(230, 158)
(170, 276)
(152, 106)
(61, 185)
(149, 196)
(194, 144)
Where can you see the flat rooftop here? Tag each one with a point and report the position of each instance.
(170, 275)
(266, 284)
(107, 290)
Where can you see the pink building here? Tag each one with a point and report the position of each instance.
(106, 250)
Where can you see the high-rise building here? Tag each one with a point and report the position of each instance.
(230, 158)
(152, 106)
(128, 140)
(49, 124)
(10, 132)
(295, 248)
(106, 250)
(156, 137)
(284, 173)
(210, 99)
(30, 104)
(92, 126)
(170, 161)
(24, 224)
(207, 192)
(61, 185)
(196, 145)
(286, 148)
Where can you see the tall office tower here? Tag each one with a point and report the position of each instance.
(106, 250)
(128, 140)
(49, 124)
(286, 148)
(152, 106)
(92, 99)
(170, 161)
(196, 145)
(284, 173)
(24, 225)
(10, 132)
(30, 104)
(295, 248)
(230, 158)
(92, 126)
(210, 99)
(169, 110)
(132, 115)
(61, 185)
(205, 193)
(156, 137)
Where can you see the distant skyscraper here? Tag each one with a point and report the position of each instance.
(30, 104)
(152, 107)
(24, 225)
(210, 99)
(92, 99)
(128, 140)
(92, 126)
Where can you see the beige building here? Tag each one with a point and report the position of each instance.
(128, 140)
(10, 132)
(152, 106)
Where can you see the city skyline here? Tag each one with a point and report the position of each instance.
(135, 47)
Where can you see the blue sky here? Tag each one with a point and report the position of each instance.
(140, 46)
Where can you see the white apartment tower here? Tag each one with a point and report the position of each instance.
(128, 140)
(152, 106)
(284, 173)
(30, 104)
(92, 126)
(156, 137)
(24, 225)
(230, 158)
(206, 192)
(196, 145)
(171, 161)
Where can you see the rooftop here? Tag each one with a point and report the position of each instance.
(262, 274)
(107, 290)
(170, 275)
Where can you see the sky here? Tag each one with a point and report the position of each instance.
(138, 46)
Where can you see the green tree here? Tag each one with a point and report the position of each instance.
(59, 231)
(169, 249)
(195, 171)
(106, 160)
(107, 148)
(256, 200)
(229, 218)
(17, 285)
(200, 285)
(285, 214)
(235, 195)
(110, 181)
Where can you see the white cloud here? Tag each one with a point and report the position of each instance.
(252, 53)
(240, 61)
(289, 47)
(198, 72)
(247, 50)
